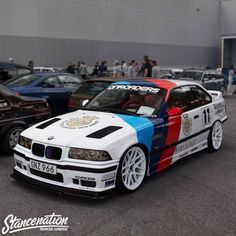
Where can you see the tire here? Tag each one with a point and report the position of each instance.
(11, 138)
(215, 137)
(132, 170)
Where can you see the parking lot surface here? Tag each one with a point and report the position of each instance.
(196, 196)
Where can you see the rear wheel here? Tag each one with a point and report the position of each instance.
(215, 137)
(132, 170)
(11, 138)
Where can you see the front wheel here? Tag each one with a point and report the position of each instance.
(132, 170)
(11, 139)
(215, 137)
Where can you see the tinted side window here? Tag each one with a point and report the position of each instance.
(199, 97)
(6, 74)
(68, 81)
(178, 98)
(51, 82)
(22, 71)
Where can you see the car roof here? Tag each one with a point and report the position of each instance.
(12, 64)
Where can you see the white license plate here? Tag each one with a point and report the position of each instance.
(43, 167)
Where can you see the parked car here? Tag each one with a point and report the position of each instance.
(209, 79)
(16, 114)
(130, 130)
(89, 90)
(55, 87)
(170, 73)
(9, 70)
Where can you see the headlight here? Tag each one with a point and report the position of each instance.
(25, 142)
(89, 155)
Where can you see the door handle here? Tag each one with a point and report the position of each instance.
(196, 117)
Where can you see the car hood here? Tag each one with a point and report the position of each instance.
(85, 129)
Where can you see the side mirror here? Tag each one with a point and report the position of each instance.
(175, 111)
(85, 102)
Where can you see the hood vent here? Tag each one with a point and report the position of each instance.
(47, 123)
(104, 132)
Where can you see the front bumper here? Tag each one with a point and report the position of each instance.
(91, 181)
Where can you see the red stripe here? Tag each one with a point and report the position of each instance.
(174, 128)
(166, 84)
(162, 83)
(50, 153)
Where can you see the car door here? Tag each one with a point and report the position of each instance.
(195, 120)
(56, 94)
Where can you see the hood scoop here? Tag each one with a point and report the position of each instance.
(103, 132)
(47, 123)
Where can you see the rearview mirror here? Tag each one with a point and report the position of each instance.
(175, 111)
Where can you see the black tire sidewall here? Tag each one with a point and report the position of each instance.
(5, 143)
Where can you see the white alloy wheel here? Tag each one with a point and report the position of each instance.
(217, 135)
(133, 168)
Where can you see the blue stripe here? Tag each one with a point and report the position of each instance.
(144, 129)
(121, 82)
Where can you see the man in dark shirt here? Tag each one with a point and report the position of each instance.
(70, 69)
(147, 67)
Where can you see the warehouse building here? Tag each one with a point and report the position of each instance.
(54, 32)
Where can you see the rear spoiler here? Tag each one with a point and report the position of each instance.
(216, 94)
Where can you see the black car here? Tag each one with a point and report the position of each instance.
(89, 90)
(9, 70)
(16, 114)
(210, 79)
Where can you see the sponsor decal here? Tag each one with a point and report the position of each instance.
(134, 88)
(186, 145)
(187, 124)
(53, 222)
(80, 123)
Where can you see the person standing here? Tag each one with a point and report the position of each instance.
(70, 69)
(96, 69)
(31, 64)
(132, 70)
(83, 70)
(230, 88)
(117, 70)
(156, 72)
(147, 67)
(124, 67)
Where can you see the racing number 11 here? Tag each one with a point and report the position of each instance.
(206, 114)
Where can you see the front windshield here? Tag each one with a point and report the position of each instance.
(129, 99)
(190, 75)
(22, 81)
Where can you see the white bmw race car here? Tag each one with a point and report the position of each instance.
(132, 129)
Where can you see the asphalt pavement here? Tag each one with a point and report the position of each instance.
(196, 196)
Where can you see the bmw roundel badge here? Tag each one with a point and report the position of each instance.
(51, 138)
